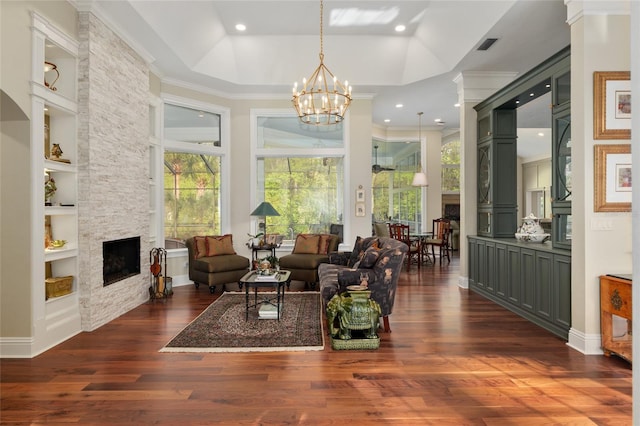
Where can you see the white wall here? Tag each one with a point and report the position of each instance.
(595, 251)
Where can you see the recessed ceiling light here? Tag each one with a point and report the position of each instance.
(547, 86)
(241, 27)
(399, 105)
(400, 28)
(457, 105)
(540, 134)
(386, 120)
(517, 102)
(437, 120)
(532, 94)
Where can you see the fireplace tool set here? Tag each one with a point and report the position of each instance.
(161, 286)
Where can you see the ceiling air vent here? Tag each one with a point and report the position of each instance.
(487, 44)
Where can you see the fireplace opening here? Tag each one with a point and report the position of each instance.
(121, 259)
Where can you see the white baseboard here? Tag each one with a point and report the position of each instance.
(463, 282)
(16, 347)
(181, 280)
(588, 344)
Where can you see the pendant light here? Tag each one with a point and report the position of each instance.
(420, 178)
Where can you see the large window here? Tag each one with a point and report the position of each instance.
(300, 171)
(191, 195)
(394, 164)
(450, 158)
(192, 165)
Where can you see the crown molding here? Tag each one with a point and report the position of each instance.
(577, 9)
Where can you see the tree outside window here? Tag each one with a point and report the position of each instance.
(192, 195)
(450, 158)
(393, 196)
(192, 172)
(300, 171)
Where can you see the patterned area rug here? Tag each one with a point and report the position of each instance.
(222, 327)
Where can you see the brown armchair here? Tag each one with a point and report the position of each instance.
(309, 251)
(213, 261)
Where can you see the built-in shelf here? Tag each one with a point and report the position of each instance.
(60, 210)
(60, 167)
(54, 121)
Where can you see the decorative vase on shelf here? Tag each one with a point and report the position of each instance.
(531, 231)
(49, 189)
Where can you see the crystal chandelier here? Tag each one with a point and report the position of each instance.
(323, 99)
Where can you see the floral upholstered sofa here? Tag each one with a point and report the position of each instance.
(375, 262)
(213, 261)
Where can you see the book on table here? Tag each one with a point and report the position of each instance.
(268, 277)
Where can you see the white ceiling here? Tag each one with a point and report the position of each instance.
(195, 42)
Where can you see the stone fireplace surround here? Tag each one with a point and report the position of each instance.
(113, 167)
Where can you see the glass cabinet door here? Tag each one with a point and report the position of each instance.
(562, 170)
(484, 175)
(561, 202)
(562, 230)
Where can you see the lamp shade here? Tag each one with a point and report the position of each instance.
(265, 209)
(420, 179)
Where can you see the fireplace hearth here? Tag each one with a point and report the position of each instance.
(121, 259)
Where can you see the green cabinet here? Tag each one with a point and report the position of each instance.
(496, 189)
(532, 280)
(497, 161)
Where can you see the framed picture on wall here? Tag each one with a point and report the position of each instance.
(359, 195)
(612, 105)
(360, 209)
(613, 178)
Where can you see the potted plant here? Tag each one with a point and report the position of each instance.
(255, 240)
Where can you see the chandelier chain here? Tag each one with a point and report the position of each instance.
(321, 32)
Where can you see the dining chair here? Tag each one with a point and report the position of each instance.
(441, 234)
(400, 232)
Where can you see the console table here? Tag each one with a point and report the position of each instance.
(615, 299)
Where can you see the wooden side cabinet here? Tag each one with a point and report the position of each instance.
(615, 299)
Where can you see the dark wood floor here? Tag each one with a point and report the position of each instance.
(453, 358)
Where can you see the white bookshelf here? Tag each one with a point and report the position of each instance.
(54, 121)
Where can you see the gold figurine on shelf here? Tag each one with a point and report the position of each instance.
(56, 152)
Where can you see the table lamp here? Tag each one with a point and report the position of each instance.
(263, 210)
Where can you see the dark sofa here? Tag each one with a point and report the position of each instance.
(375, 262)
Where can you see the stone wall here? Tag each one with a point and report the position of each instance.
(113, 167)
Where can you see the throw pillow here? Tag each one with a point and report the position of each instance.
(200, 247)
(325, 242)
(370, 257)
(355, 253)
(219, 245)
(307, 244)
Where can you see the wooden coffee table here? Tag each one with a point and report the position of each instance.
(249, 280)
